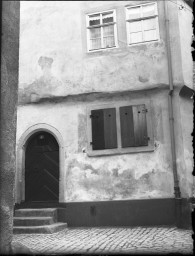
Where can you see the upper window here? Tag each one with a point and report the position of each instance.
(101, 30)
(119, 129)
(142, 23)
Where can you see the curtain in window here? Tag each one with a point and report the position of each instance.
(94, 20)
(95, 38)
(108, 36)
(107, 17)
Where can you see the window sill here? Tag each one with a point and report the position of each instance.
(102, 49)
(145, 42)
(119, 151)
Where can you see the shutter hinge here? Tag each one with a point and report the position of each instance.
(91, 116)
(144, 111)
(91, 143)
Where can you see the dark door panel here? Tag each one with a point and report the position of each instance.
(42, 168)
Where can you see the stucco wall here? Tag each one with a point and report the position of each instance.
(54, 62)
(8, 101)
(186, 178)
(48, 29)
(119, 177)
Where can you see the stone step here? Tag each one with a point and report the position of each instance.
(41, 212)
(46, 229)
(33, 221)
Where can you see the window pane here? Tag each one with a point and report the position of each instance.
(135, 26)
(95, 44)
(134, 13)
(136, 37)
(108, 36)
(94, 19)
(109, 41)
(107, 17)
(95, 33)
(148, 10)
(149, 24)
(150, 35)
(108, 30)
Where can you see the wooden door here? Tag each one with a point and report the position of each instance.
(42, 168)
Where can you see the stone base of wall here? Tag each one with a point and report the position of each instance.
(146, 212)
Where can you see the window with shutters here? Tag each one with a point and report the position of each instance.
(121, 128)
(101, 30)
(142, 23)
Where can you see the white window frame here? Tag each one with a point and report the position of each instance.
(101, 25)
(119, 149)
(141, 19)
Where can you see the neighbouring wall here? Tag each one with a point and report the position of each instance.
(186, 178)
(9, 91)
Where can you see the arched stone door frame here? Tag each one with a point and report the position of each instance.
(20, 160)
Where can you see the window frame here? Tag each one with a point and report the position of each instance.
(141, 19)
(119, 149)
(88, 27)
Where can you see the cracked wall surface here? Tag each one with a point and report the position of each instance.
(73, 70)
(8, 102)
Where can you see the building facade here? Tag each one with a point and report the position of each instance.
(105, 111)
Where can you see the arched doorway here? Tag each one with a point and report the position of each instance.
(42, 168)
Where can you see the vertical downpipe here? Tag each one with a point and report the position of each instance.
(171, 120)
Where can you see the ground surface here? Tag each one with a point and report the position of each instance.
(155, 240)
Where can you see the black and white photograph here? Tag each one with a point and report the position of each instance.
(96, 128)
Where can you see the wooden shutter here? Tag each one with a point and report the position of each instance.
(140, 125)
(110, 133)
(127, 127)
(104, 134)
(133, 126)
(97, 121)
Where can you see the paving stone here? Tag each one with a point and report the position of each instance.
(110, 240)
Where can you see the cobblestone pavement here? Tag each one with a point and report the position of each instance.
(140, 240)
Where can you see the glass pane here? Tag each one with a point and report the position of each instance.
(107, 17)
(134, 13)
(94, 19)
(95, 44)
(135, 37)
(95, 33)
(109, 41)
(108, 30)
(135, 26)
(150, 35)
(149, 24)
(148, 10)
